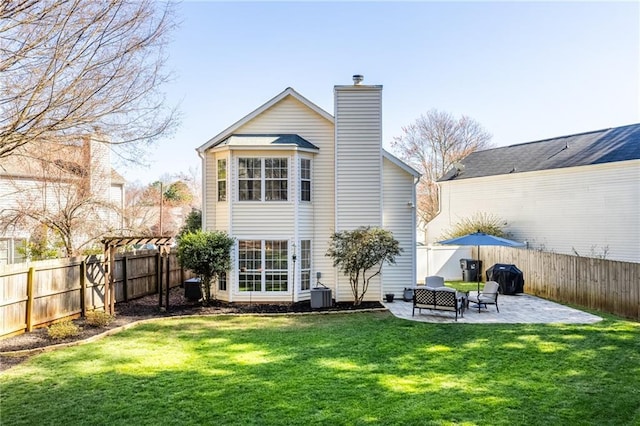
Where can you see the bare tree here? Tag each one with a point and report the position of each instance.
(143, 209)
(71, 68)
(432, 144)
(60, 190)
(140, 211)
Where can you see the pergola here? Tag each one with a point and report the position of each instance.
(110, 245)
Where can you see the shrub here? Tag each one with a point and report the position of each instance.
(478, 222)
(98, 318)
(207, 254)
(63, 329)
(361, 251)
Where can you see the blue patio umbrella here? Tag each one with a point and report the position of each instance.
(481, 239)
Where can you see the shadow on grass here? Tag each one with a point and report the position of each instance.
(335, 369)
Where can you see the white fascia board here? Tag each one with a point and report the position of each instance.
(398, 162)
(281, 147)
(287, 92)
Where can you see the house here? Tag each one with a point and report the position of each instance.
(576, 194)
(51, 178)
(282, 179)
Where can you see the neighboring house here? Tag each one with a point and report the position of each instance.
(50, 177)
(577, 194)
(285, 177)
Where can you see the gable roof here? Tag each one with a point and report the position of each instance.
(251, 140)
(583, 149)
(398, 162)
(282, 95)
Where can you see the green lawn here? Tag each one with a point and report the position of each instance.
(364, 368)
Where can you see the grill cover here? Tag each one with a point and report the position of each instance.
(509, 277)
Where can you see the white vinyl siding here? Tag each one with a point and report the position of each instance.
(358, 156)
(316, 220)
(216, 213)
(587, 209)
(358, 133)
(399, 218)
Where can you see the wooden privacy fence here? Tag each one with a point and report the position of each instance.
(606, 285)
(38, 293)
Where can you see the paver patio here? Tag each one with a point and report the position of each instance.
(514, 309)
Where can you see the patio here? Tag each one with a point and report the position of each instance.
(514, 309)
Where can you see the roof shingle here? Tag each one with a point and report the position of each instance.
(597, 147)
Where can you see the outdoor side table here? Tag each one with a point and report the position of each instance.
(463, 300)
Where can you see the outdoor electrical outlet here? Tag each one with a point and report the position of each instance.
(318, 275)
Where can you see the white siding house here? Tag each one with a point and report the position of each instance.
(577, 194)
(285, 177)
(47, 178)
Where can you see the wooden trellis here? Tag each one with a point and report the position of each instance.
(110, 245)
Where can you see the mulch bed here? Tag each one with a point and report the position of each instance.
(147, 307)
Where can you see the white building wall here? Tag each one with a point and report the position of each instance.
(399, 218)
(277, 220)
(358, 129)
(592, 210)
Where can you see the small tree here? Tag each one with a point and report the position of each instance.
(208, 255)
(357, 252)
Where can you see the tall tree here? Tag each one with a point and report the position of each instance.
(432, 144)
(71, 68)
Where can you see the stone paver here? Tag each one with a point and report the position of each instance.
(514, 309)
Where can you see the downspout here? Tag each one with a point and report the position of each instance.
(414, 266)
(203, 178)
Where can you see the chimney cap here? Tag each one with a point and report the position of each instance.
(357, 79)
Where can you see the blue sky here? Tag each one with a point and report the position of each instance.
(524, 70)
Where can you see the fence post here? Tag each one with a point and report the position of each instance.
(30, 277)
(159, 278)
(83, 288)
(166, 304)
(125, 289)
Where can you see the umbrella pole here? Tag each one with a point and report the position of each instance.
(478, 277)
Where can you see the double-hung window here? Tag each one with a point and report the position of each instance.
(250, 265)
(276, 265)
(222, 281)
(305, 264)
(263, 179)
(305, 179)
(250, 179)
(275, 174)
(263, 265)
(222, 179)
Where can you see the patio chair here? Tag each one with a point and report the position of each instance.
(488, 296)
(434, 281)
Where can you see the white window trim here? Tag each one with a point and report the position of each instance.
(263, 270)
(263, 179)
(310, 180)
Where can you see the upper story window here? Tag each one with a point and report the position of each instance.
(305, 179)
(275, 171)
(250, 179)
(263, 179)
(222, 180)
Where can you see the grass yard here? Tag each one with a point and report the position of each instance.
(340, 369)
